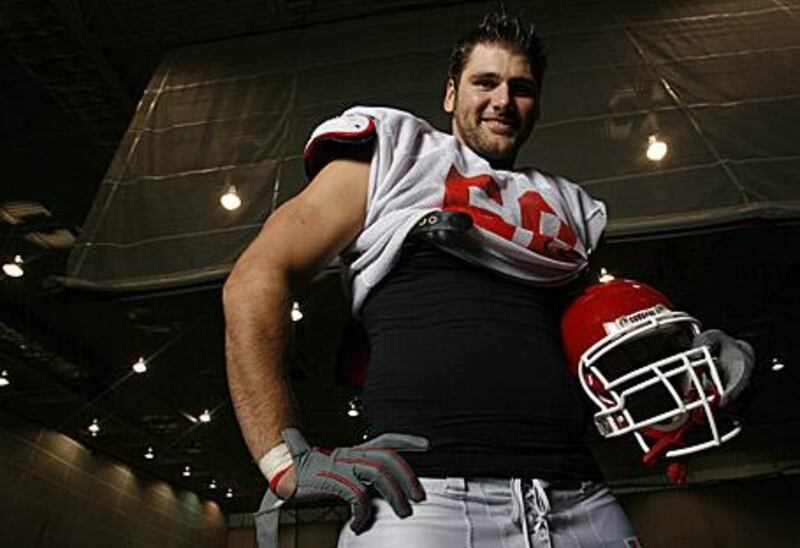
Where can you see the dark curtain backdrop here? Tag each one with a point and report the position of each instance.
(717, 79)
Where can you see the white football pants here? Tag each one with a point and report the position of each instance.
(494, 513)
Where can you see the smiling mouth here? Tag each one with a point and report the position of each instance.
(502, 126)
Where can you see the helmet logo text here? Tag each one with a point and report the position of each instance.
(624, 322)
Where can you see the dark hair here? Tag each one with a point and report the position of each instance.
(506, 30)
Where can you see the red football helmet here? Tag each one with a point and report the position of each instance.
(633, 354)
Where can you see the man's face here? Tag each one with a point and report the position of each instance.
(493, 107)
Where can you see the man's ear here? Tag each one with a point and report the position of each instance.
(449, 101)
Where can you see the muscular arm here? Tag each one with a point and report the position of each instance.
(297, 241)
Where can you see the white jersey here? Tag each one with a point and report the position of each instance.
(538, 228)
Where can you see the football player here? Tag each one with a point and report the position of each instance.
(460, 265)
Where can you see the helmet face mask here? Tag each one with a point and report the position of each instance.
(633, 355)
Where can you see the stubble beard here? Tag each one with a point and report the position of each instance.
(474, 137)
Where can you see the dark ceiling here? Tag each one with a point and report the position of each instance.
(72, 74)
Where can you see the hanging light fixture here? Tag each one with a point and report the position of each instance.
(777, 365)
(4, 380)
(13, 268)
(229, 493)
(187, 471)
(94, 428)
(212, 484)
(353, 407)
(231, 200)
(149, 455)
(297, 314)
(205, 416)
(605, 277)
(140, 366)
(656, 148)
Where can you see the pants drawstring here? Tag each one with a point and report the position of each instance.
(537, 512)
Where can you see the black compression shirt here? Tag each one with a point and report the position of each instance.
(473, 362)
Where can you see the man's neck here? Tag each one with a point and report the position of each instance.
(506, 164)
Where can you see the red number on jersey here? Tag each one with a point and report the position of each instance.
(540, 228)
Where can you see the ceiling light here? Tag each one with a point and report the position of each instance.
(231, 200)
(94, 428)
(205, 416)
(777, 365)
(297, 314)
(4, 379)
(187, 471)
(140, 366)
(13, 268)
(149, 455)
(605, 277)
(212, 484)
(229, 493)
(656, 149)
(352, 407)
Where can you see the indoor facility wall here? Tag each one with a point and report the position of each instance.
(54, 492)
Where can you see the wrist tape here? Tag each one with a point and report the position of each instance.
(275, 464)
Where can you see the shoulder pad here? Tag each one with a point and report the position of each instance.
(348, 136)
